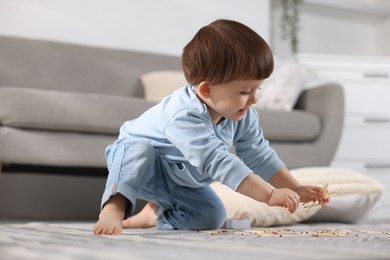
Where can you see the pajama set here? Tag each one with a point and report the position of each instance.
(171, 153)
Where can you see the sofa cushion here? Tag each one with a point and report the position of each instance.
(67, 111)
(95, 113)
(289, 126)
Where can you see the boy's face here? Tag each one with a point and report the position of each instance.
(229, 100)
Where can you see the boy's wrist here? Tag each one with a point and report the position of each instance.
(296, 188)
(270, 195)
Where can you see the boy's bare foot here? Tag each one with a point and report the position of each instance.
(146, 218)
(111, 216)
(108, 225)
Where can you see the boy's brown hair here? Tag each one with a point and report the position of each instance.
(224, 51)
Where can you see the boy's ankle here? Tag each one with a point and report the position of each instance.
(116, 205)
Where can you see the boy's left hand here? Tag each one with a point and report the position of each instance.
(310, 193)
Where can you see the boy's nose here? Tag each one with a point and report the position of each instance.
(252, 99)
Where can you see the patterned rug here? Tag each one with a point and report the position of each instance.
(42, 240)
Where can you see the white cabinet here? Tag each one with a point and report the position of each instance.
(365, 142)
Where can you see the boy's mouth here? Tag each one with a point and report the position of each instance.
(243, 110)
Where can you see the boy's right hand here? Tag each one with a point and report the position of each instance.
(284, 198)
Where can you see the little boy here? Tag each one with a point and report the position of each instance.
(170, 154)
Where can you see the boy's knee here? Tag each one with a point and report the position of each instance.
(214, 223)
(210, 215)
(218, 219)
(214, 218)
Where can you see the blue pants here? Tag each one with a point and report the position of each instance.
(137, 171)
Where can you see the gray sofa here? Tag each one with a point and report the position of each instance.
(62, 104)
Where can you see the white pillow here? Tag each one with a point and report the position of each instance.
(282, 89)
(159, 84)
(259, 214)
(354, 196)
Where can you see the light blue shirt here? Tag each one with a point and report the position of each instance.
(197, 151)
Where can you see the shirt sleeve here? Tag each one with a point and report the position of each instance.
(254, 149)
(195, 137)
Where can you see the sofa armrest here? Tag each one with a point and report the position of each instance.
(327, 102)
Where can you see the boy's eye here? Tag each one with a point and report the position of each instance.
(247, 93)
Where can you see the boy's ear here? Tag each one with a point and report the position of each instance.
(204, 89)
